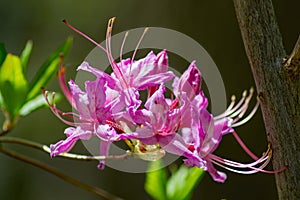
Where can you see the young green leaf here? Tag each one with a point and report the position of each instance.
(156, 178)
(48, 69)
(37, 103)
(2, 53)
(13, 84)
(181, 184)
(25, 55)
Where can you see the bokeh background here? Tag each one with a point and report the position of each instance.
(212, 23)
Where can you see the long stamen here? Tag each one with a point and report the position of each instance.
(71, 115)
(107, 51)
(136, 48)
(108, 40)
(231, 165)
(121, 49)
(239, 140)
(233, 99)
(54, 109)
(58, 113)
(252, 171)
(246, 118)
(112, 62)
(265, 159)
(240, 165)
(237, 106)
(84, 35)
(274, 171)
(243, 109)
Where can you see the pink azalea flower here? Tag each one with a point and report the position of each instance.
(204, 132)
(159, 124)
(111, 109)
(94, 117)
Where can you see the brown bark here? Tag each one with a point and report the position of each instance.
(278, 86)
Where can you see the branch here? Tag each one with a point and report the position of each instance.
(46, 149)
(3, 132)
(292, 64)
(60, 175)
(278, 89)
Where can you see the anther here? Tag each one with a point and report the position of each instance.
(233, 98)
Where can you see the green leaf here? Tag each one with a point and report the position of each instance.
(36, 103)
(13, 84)
(25, 55)
(48, 69)
(156, 178)
(2, 53)
(181, 184)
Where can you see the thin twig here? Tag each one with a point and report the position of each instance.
(292, 63)
(54, 171)
(3, 132)
(71, 156)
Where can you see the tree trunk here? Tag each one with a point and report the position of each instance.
(278, 86)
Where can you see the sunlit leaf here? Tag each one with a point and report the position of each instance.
(181, 184)
(155, 183)
(37, 103)
(48, 69)
(2, 53)
(13, 84)
(25, 55)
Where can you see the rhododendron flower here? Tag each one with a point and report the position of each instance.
(111, 109)
(94, 113)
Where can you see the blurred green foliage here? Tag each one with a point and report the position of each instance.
(179, 185)
(20, 96)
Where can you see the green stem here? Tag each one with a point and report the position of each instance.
(59, 174)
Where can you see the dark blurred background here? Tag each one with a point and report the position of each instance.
(212, 23)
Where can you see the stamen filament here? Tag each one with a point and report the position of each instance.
(122, 46)
(238, 105)
(253, 171)
(246, 118)
(265, 159)
(114, 65)
(236, 164)
(136, 48)
(233, 99)
(58, 113)
(242, 144)
(84, 35)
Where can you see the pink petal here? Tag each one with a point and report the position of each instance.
(72, 136)
(216, 175)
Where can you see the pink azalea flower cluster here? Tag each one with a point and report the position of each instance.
(110, 108)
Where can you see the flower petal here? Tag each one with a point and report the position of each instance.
(98, 73)
(189, 82)
(81, 101)
(175, 144)
(216, 175)
(72, 136)
(104, 151)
